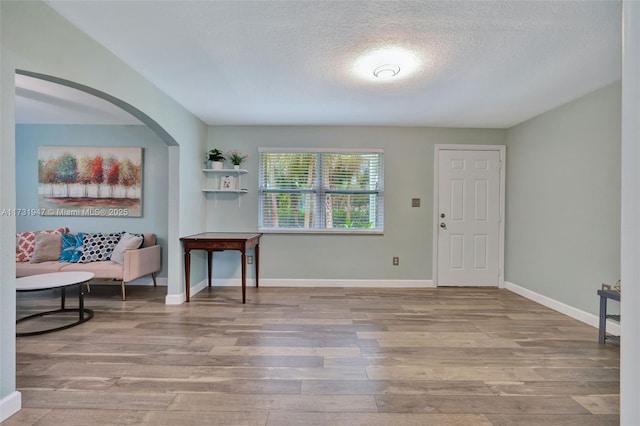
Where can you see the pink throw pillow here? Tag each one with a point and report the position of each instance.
(27, 243)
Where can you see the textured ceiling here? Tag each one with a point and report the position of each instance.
(481, 63)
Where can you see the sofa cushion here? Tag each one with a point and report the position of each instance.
(48, 247)
(127, 242)
(24, 269)
(98, 247)
(103, 269)
(26, 243)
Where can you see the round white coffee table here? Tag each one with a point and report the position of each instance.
(60, 280)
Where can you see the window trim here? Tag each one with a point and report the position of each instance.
(320, 192)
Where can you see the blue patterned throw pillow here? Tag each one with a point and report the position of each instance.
(68, 247)
(77, 251)
(98, 247)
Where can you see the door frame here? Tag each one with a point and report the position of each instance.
(501, 149)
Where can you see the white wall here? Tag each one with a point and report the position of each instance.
(563, 200)
(409, 173)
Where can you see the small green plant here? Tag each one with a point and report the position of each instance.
(215, 155)
(236, 157)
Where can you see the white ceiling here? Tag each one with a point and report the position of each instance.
(42, 102)
(482, 63)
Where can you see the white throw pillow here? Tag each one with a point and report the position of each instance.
(127, 242)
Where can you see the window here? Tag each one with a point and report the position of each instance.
(321, 190)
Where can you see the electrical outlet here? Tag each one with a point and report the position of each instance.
(396, 261)
(415, 202)
(249, 260)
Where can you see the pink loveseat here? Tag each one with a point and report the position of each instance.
(137, 263)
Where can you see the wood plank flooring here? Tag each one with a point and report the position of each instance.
(315, 356)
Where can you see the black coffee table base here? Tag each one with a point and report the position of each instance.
(84, 314)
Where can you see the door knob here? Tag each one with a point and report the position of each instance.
(443, 225)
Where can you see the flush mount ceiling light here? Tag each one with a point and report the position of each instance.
(386, 71)
(384, 64)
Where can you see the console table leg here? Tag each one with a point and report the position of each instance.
(257, 255)
(209, 265)
(187, 272)
(244, 276)
(602, 329)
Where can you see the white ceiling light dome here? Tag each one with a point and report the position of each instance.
(387, 63)
(386, 71)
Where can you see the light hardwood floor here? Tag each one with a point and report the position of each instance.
(316, 356)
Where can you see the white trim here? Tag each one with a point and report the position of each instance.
(323, 150)
(278, 282)
(174, 299)
(9, 405)
(346, 283)
(575, 313)
(325, 231)
(502, 149)
(177, 299)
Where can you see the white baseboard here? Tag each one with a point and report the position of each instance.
(575, 313)
(9, 405)
(176, 299)
(275, 282)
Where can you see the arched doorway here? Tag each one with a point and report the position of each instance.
(160, 176)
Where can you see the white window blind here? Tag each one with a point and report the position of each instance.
(321, 190)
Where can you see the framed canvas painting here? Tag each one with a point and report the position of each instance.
(90, 181)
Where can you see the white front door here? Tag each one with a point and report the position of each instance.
(468, 223)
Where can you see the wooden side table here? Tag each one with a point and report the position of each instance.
(605, 295)
(220, 241)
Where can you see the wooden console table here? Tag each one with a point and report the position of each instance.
(220, 241)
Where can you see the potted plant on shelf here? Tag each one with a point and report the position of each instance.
(236, 158)
(215, 158)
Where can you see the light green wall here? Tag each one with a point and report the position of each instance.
(563, 200)
(409, 173)
(35, 38)
(562, 180)
(7, 233)
(155, 180)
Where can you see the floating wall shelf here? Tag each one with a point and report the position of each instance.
(227, 181)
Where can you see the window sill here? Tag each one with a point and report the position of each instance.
(321, 231)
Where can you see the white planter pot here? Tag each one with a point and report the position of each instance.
(217, 165)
